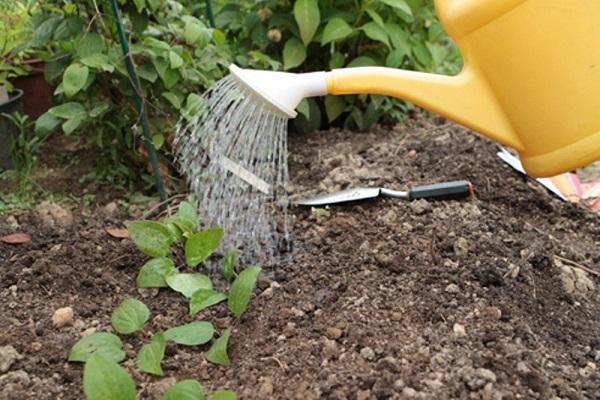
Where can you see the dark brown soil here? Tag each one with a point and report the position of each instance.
(386, 299)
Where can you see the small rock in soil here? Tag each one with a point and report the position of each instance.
(367, 353)
(8, 355)
(459, 330)
(12, 222)
(452, 288)
(461, 246)
(54, 215)
(110, 209)
(158, 388)
(333, 333)
(409, 392)
(363, 395)
(420, 206)
(62, 317)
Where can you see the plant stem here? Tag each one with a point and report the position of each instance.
(139, 102)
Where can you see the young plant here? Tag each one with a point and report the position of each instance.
(164, 241)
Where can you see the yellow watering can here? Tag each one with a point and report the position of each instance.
(531, 79)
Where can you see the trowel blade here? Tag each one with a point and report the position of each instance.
(344, 196)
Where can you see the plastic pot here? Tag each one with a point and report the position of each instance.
(38, 94)
(7, 129)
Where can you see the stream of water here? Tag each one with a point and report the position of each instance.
(234, 155)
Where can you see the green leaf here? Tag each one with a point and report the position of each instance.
(139, 5)
(90, 45)
(147, 72)
(188, 389)
(394, 59)
(201, 245)
(423, 55)
(175, 60)
(399, 37)
(154, 272)
(129, 316)
(74, 78)
(241, 290)
(173, 99)
(217, 354)
(404, 10)
(68, 110)
(193, 334)
(98, 61)
(375, 16)
(151, 238)
(376, 32)
(151, 354)
(223, 395)
(187, 284)
(103, 379)
(337, 60)
(294, 53)
(107, 344)
(99, 109)
(336, 29)
(204, 298)
(187, 212)
(362, 61)
(335, 106)
(308, 18)
(303, 108)
(46, 124)
(70, 125)
(229, 262)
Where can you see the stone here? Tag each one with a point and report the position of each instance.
(367, 353)
(8, 356)
(12, 222)
(420, 206)
(333, 333)
(409, 392)
(452, 288)
(459, 330)
(62, 317)
(461, 246)
(110, 209)
(486, 374)
(53, 215)
(363, 395)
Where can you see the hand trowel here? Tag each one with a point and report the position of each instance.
(439, 191)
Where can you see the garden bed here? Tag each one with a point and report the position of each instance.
(386, 299)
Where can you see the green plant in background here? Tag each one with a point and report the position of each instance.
(175, 53)
(174, 244)
(14, 33)
(25, 147)
(311, 35)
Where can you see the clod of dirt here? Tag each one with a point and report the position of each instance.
(53, 215)
(330, 349)
(8, 356)
(461, 246)
(266, 389)
(420, 207)
(452, 289)
(333, 333)
(157, 389)
(13, 383)
(110, 209)
(62, 317)
(367, 353)
(12, 223)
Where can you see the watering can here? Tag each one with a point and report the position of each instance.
(531, 79)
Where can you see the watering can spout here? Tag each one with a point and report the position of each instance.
(463, 98)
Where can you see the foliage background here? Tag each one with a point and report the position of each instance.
(178, 55)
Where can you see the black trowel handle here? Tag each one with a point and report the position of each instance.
(446, 190)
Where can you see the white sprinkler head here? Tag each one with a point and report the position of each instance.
(282, 91)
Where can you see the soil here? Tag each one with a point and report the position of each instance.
(387, 299)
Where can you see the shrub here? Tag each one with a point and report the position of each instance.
(311, 35)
